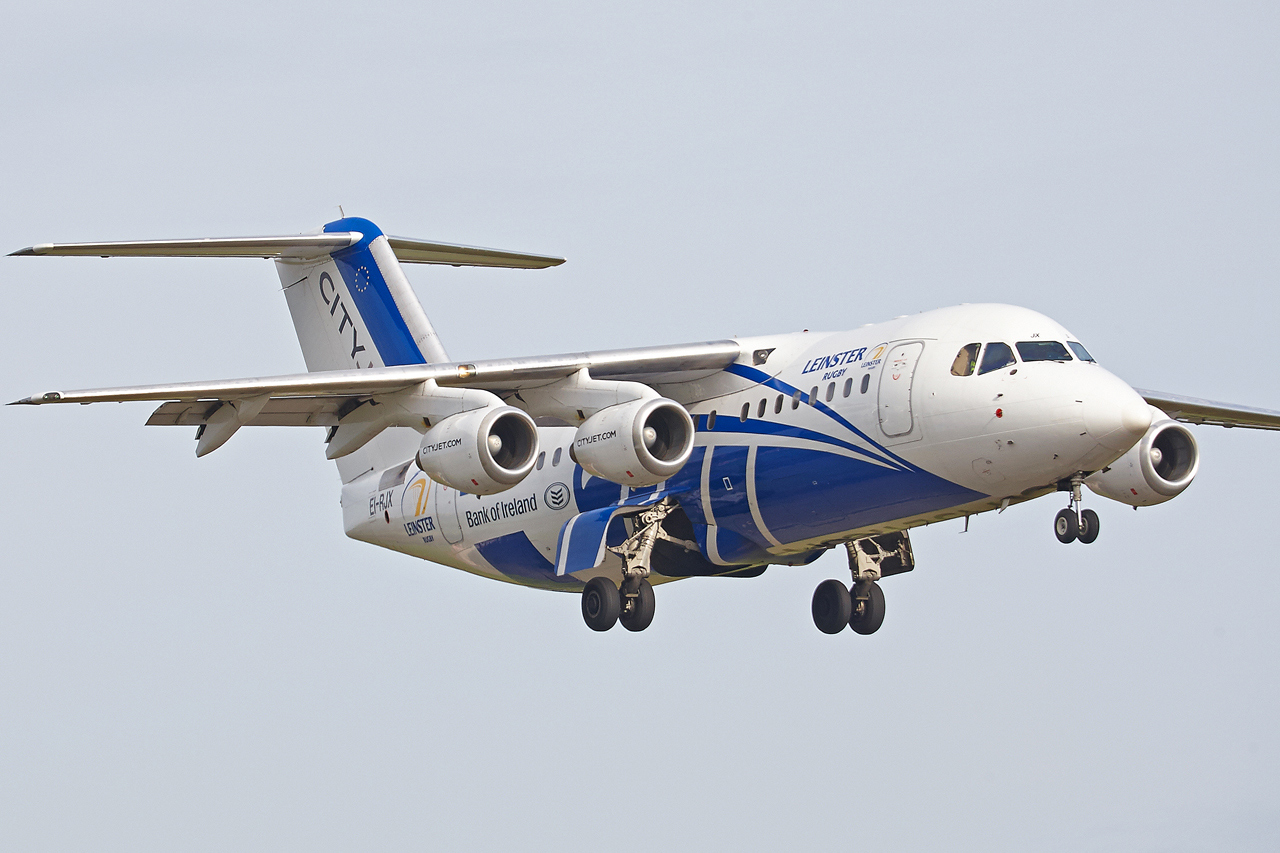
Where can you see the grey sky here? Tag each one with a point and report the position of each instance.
(194, 657)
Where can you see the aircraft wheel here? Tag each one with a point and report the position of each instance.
(868, 616)
(600, 604)
(1088, 526)
(831, 607)
(641, 609)
(1066, 526)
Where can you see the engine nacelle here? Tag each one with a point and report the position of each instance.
(483, 452)
(1156, 469)
(640, 443)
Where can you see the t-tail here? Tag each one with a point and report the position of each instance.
(352, 306)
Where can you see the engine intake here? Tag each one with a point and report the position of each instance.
(1156, 469)
(640, 443)
(483, 452)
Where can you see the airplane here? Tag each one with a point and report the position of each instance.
(608, 473)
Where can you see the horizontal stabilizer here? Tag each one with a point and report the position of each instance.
(299, 246)
(296, 246)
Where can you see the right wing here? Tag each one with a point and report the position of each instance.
(1191, 410)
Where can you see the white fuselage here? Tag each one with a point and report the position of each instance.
(808, 440)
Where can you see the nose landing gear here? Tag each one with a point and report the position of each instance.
(1074, 523)
(861, 606)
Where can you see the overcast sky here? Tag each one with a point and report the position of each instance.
(194, 657)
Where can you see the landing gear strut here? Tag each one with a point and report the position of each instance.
(861, 606)
(604, 604)
(1074, 523)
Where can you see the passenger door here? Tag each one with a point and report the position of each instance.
(897, 420)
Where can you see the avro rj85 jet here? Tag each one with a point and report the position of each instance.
(607, 473)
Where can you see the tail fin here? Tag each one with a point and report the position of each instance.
(354, 308)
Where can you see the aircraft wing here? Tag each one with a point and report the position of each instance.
(1191, 410)
(320, 399)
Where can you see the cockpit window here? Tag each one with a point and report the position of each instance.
(996, 356)
(1042, 351)
(1080, 351)
(966, 360)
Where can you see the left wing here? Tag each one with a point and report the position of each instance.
(1191, 410)
(322, 399)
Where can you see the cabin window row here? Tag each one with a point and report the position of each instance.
(799, 397)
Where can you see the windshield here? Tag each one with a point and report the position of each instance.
(1080, 351)
(996, 356)
(1042, 351)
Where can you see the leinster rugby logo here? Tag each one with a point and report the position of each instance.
(556, 496)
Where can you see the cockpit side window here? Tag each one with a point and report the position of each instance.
(1080, 351)
(996, 356)
(1042, 351)
(966, 360)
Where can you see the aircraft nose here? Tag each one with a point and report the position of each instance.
(1115, 415)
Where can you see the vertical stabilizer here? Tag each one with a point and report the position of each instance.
(354, 308)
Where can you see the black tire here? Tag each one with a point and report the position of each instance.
(831, 607)
(1088, 526)
(642, 614)
(1066, 526)
(600, 604)
(869, 620)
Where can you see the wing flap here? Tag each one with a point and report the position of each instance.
(287, 411)
(1192, 410)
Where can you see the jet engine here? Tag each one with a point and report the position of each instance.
(1156, 469)
(640, 443)
(483, 452)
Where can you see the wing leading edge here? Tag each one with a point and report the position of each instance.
(320, 399)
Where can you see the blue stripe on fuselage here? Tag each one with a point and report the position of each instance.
(516, 557)
(768, 381)
(372, 298)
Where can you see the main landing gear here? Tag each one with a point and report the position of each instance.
(604, 604)
(1074, 523)
(861, 606)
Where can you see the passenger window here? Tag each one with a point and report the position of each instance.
(866, 382)
(795, 400)
(711, 420)
(760, 410)
(1080, 351)
(996, 356)
(777, 406)
(813, 396)
(1042, 351)
(542, 457)
(966, 360)
(848, 386)
(831, 392)
(555, 458)
(746, 412)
